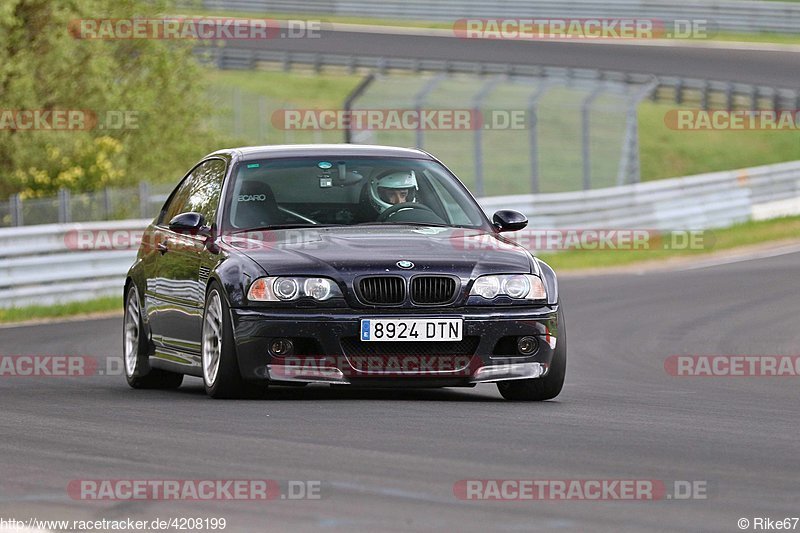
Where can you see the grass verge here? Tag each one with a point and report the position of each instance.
(745, 234)
(35, 312)
(666, 153)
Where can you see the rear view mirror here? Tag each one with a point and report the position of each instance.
(190, 222)
(508, 220)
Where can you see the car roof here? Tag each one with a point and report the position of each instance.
(249, 153)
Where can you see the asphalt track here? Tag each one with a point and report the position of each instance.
(758, 64)
(388, 460)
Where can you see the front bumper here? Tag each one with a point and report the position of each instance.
(329, 350)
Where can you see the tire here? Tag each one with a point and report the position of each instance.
(548, 387)
(221, 375)
(136, 351)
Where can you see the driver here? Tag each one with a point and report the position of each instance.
(393, 188)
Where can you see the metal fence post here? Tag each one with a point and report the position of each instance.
(15, 208)
(64, 211)
(107, 203)
(348, 104)
(703, 96)
(586, 150)
(476, 103)
(629, 170)
(533, 105)
(144, 199)
(419, 101)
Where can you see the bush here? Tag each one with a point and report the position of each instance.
(44, 67)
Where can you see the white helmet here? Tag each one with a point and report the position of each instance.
(379, 188)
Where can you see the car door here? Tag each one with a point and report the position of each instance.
(178, 289)
(157, 291)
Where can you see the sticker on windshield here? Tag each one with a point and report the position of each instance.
(254, 165)
(324, 165)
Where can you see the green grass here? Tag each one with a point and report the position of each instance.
(666, 152)
(296, 88)
(258, 94)
(776, 38)
(21, 314)
(748, 233)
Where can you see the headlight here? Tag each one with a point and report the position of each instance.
(284, 289)
(516, 286)
(487, 287)
(318, 288)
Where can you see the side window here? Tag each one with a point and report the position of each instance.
(177, 201)
(206, 189)
(199, 192)
(454, 211)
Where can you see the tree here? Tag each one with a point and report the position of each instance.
(157, 84)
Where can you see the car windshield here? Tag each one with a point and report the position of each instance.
(325, 191)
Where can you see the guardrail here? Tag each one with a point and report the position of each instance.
(52, 263)
(47, 264)
(714, 200)
(738, 16)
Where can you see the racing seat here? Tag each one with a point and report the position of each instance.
(256, 206)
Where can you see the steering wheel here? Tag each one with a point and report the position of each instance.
(399, 207)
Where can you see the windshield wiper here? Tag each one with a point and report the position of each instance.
(404, 224)
(287, 226)
(417, 224)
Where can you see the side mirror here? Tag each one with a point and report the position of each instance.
(189, 223)
(508, 220)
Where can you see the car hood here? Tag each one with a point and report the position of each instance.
(349, 251)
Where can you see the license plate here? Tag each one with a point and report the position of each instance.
(412, 329)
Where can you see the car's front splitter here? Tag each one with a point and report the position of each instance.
(329, 362)
(330, 374)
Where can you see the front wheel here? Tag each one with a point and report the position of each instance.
(221, 374)
(549, 386)
(135, 349)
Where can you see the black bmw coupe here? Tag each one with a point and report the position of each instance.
(344, 264)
